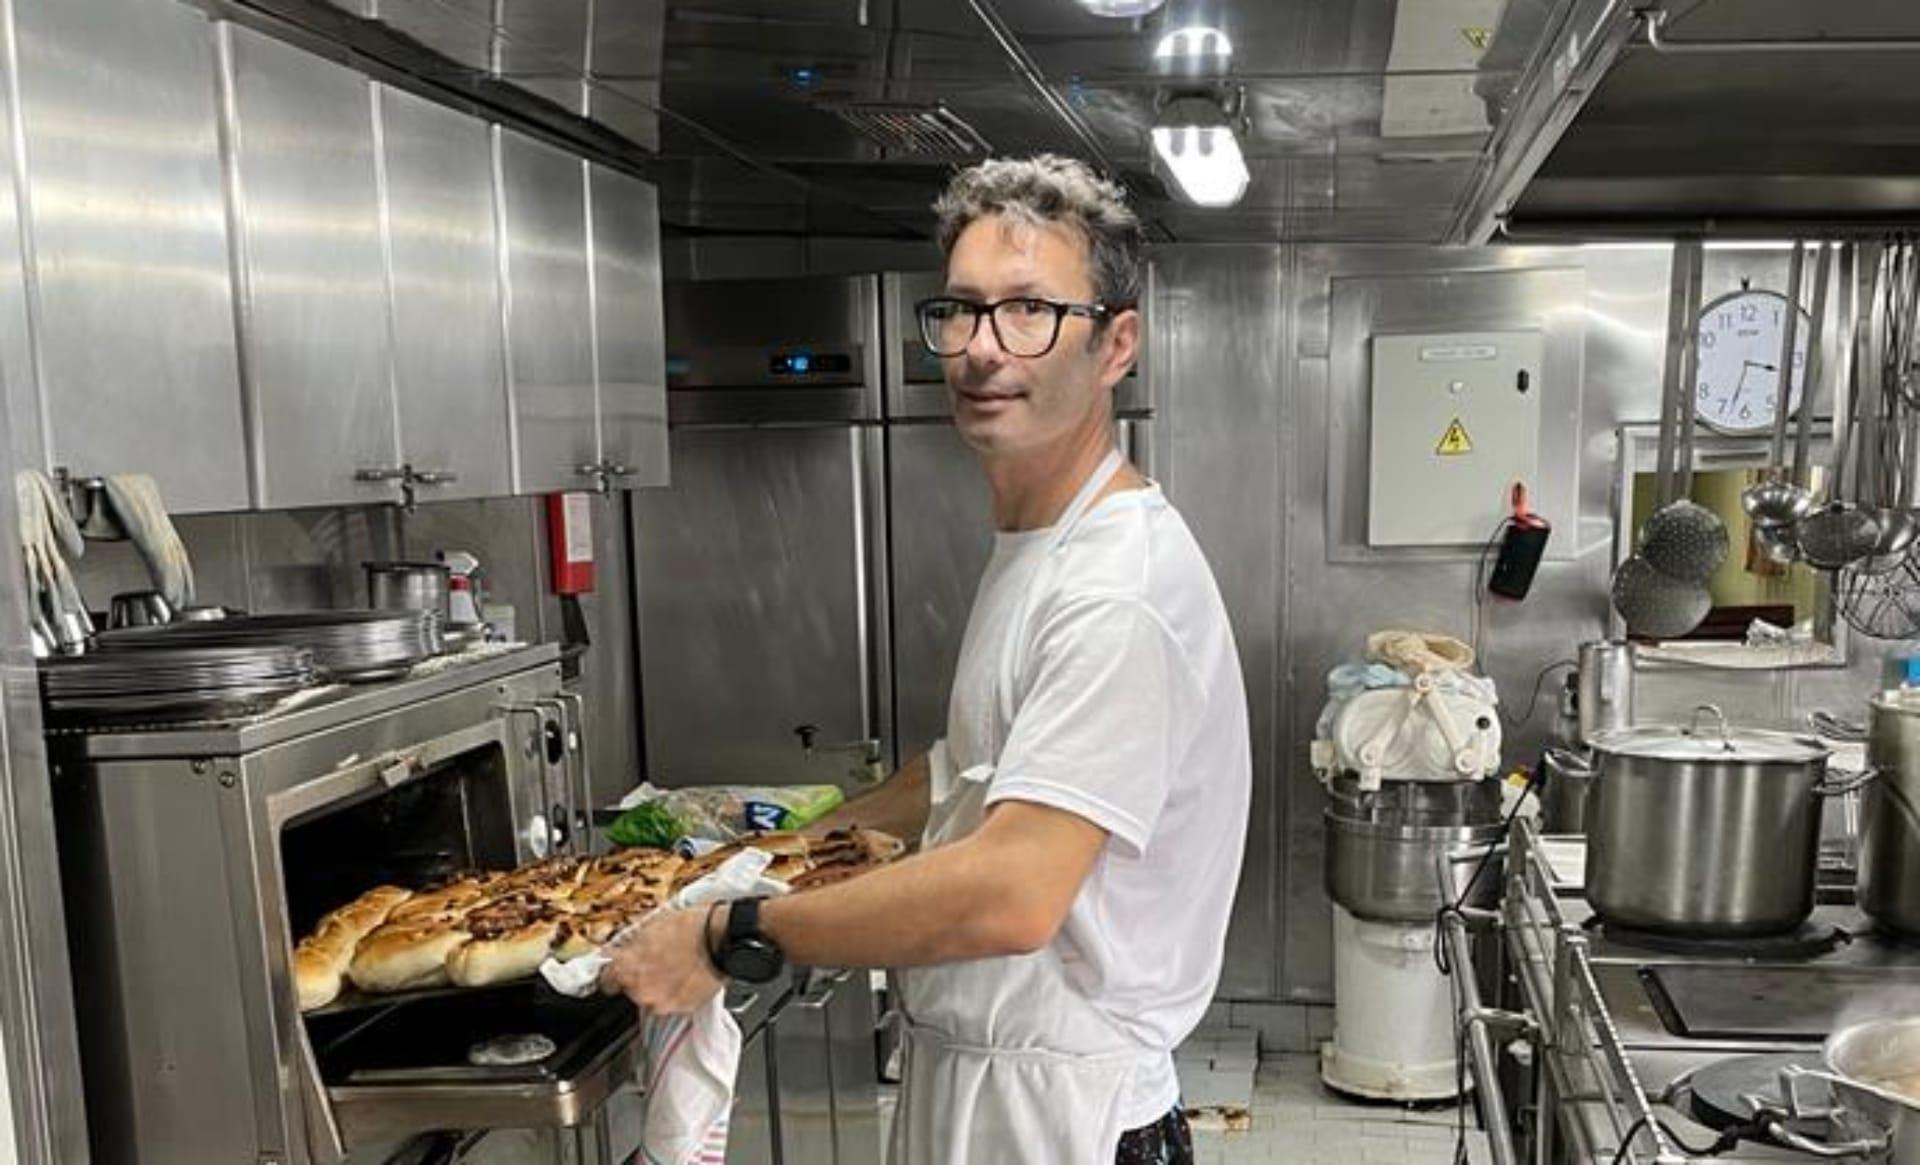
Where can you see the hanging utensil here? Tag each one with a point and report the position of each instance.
(1652, 602)
(1683, 539)
(1776, 500)
(1893, 449)
(1839, 532)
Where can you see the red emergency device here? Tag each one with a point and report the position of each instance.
(570, 540)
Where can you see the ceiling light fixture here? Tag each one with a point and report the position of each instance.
(1194, 141)
(1120, 9)
(1195, 42)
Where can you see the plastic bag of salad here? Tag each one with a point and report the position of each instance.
(663, 818)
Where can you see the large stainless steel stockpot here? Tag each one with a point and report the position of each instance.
(1889, 887)
(1706, 831)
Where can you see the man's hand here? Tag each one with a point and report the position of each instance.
(662, 965)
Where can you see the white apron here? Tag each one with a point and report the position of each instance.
(1006, 1061)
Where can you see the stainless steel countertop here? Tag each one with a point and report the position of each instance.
(1658, 1056)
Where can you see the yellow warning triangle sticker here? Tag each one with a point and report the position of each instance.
(1455, 442)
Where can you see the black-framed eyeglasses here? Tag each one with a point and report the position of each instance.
(1023, 326)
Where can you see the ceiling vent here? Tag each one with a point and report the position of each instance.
(927, 131)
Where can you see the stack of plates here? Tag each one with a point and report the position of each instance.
(347, 645)
(174, 683)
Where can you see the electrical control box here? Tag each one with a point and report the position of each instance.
(1456, 422)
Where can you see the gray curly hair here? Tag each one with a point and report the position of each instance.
(1045, 189)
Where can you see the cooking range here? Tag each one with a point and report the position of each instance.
(194, 854)
(1664, 1040)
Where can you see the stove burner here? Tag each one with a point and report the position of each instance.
(1716, 1095)
(1809, 941)
(509, 1051)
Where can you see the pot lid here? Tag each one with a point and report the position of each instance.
(1710, 738)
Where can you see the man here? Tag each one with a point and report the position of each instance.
(1061, 929)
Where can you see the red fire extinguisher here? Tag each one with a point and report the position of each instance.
(570, 542)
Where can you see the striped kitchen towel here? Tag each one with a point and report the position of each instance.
(692, 1061)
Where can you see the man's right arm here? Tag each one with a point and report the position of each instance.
(897, 805)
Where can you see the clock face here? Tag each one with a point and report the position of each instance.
(1737, 386)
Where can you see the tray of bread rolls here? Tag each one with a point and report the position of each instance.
(392, 944)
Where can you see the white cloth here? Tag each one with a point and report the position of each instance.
(136, 502)
(1098, 675)
(48, 537)
(692, 1062)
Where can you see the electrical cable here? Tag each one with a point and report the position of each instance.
(1626, 1142)
(1533, 701)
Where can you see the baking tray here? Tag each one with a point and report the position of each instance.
(403, 1069)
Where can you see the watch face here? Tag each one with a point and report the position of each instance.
(751, 960)
(1737, 385)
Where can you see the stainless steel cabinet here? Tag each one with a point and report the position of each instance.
(543, 246)
(120, 179)
(942, 537)
(751, 1131)
(752, 594)
(310, 272)
(803, 1072)
(829, 1085)
(449, 373)
(629, 339)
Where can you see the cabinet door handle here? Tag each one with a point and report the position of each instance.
(379, 475)
(433, 477)
(590, 469)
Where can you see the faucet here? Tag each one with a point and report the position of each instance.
(865, 765)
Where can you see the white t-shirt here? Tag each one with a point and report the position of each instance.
(1130, 711)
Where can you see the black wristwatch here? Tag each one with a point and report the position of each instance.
(744, 952)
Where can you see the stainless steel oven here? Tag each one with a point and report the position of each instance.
(194, 857)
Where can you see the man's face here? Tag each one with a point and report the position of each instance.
(1006, 404)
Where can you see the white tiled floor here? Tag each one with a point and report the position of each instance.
(1296, 1121)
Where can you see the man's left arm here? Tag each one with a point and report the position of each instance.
(1003, 890)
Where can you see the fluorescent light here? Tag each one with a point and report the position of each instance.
(1120, 9)
(1204, 161)
(1194, 40)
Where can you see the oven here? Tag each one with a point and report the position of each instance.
(195, 857)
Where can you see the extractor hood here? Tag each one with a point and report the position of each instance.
(1717, 117)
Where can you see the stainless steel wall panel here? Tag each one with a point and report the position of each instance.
(549, 312)
(19, 378)
(449, 347)
(748, 600)
(1220, 329)
(311, 272)
(942, 533)
(134, 305)
(629, 325)
(39, 1042)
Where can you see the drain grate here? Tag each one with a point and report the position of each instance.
(922, 130)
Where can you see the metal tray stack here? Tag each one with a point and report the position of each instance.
(187, 683)
(354, 646)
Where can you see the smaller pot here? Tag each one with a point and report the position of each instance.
(410, 586)
(1566, 786)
